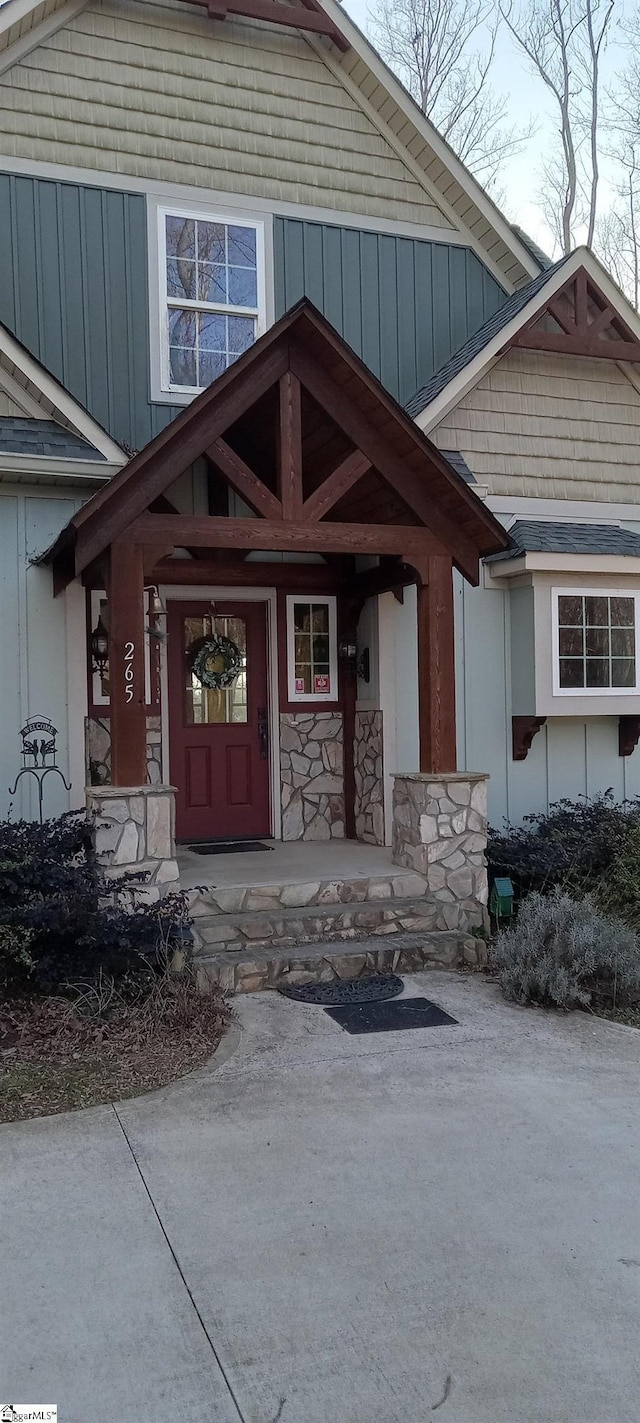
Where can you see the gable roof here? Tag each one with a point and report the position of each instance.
(475, 358)
(379, 94)
(386, 471)
(480, 339)
(23, 436)
(36, 396)
(536, 536)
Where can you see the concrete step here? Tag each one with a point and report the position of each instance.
(278, 928)
(205, 900)
(259, 969)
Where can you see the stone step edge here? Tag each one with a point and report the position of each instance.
(206, 900)
(317, 921)
(408, 953)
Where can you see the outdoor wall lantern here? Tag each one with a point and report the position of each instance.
(501, 899)
(99, 647)
(347, 651)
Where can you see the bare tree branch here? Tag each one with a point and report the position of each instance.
(563, 41)
(443, 50)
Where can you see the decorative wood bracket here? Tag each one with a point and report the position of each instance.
(523, 730)
(586, 325)
(628, 734)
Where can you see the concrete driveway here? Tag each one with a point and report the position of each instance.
(332, 1229)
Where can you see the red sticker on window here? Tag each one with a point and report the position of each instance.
(321, 683)
(299, 684)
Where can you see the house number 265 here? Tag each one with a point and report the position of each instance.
(129, 652)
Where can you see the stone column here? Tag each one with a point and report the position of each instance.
(440, 830)
(135, 830)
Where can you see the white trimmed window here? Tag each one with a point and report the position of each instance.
(312, 649)
(597, 652)
(211, 292)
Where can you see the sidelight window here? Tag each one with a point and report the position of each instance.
(312, 649)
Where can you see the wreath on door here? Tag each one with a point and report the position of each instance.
(215, 661)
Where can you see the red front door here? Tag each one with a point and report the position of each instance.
(218, 737)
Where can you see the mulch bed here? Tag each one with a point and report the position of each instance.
(54, 1060)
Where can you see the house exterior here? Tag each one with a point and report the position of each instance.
(276, 378)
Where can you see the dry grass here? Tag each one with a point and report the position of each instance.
(58, 1054)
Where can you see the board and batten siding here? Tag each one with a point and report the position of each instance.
(154, 90)
(569, 756)
(548, 426)
(33, 647)
(404, 305)
(74, 289)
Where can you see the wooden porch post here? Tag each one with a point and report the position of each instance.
(436, 666)
(126, 666)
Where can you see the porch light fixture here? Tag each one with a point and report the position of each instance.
(156, 610)
(99, 647)
(347, 651)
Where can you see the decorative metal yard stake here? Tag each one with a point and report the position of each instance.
(39, 755)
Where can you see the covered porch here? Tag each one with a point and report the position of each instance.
(241, 557)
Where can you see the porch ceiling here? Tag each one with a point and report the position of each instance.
(323, 455)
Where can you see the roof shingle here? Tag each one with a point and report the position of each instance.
(22, 436)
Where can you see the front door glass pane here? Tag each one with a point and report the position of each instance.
(208, 706)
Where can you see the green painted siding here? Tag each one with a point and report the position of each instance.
(74, 289)
(404, 305)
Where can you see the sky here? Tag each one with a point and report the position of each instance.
(527, 101)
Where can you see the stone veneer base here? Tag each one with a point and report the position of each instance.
(440, 832)
(135, 832)
(259, 969)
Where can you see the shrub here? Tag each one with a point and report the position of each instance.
(562, 950)
(574, 845)
(61, 923)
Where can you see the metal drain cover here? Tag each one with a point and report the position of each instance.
(374, 988)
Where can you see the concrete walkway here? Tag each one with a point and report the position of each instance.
(332, 1229)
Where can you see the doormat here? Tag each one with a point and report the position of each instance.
(227, 847)
(375, 987)
(390, 1017)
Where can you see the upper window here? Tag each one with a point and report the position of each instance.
(211, 282)
(597, 642)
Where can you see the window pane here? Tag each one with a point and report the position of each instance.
(212, 329)
(242, 334)
(571, 642)
(211, 364)
(569, 611)
(622, 612)
(571, 672)
(212, 282)
(597, 642)
(303, 677)
(623, 641)
(597, 612)
(302, 617)
(623, 672)
(182, 328)
(181, 278)
(183, 367)
(303, 647)
(320, 617)
(211, 239)
(181, 237)
(598, 672)
(321, 649)
(243, 286)
(242, 246)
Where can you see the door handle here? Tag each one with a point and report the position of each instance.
(263, 732)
